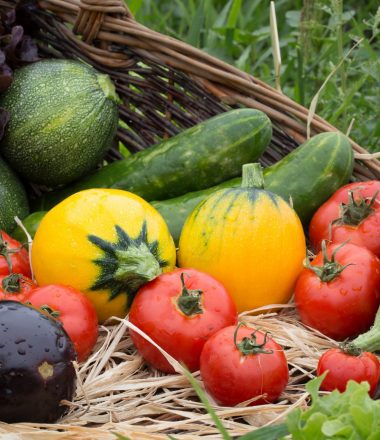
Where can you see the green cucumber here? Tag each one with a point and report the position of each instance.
(13, 199)
(308, 176)
(31, 223)
(197, 158)
(63, 119)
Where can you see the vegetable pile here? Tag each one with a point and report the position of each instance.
(181, 241)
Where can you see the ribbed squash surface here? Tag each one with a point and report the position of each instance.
(249, 239)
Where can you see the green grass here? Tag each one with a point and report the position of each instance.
(314, 36)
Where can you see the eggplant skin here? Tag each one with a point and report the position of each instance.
(36, 365)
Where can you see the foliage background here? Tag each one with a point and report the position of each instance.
(314, 36)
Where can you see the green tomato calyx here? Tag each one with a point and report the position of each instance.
(330, 268)
(6, 252)
(12, 283)
(189, 301)
(248, 346)
(356, 210)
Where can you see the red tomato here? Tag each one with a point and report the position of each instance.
(346, 305)
(18, 256)
(15, 287)
(75, 311)
(232, 377)
(342, 367)
(177, 319)
(360, 217)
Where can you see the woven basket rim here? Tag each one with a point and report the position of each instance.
(228, 83)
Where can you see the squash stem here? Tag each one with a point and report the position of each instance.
(136, 266)
(189, 301)
(252, 176)
(369, 341)
(108, 88)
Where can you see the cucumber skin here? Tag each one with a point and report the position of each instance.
(308, 175)
(62, 122)
(13, 199)
(197, 158)
(31, 223)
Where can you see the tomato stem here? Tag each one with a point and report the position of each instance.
(355, 211)
(189, 301)
(52, 312)
(252, 176)
(248, 345)
(11, 283)
(4, 251)
(330, 268)
(350, 348)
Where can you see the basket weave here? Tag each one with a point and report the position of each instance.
(167, 86)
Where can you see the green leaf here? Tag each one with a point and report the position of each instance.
(313, 386)
(312, 429)
(197, 23)
(293, 423)
(273, 432)
(234, 14)
(121, 437)
(134, 6)
(362, 419)
(293, 18)
(336, 428)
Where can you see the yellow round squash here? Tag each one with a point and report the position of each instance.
(250, 239)
(106, 243)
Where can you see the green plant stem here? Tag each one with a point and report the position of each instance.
(339, 38)
(202, 396)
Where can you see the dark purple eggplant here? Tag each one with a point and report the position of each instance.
(36, 365)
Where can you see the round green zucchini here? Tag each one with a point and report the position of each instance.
(13, 199)
(63, 119)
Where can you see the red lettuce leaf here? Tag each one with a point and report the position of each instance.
(16, 50)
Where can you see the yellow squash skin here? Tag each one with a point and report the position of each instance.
(249, 239)
(64, 252)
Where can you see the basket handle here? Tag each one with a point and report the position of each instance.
(91, 16)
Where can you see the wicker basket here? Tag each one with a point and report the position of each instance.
(167, 86)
